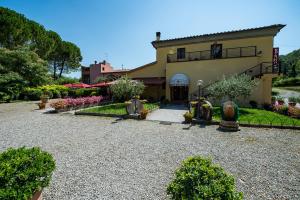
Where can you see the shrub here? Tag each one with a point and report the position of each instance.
(58, 105)
(267, 106)
(199, 178)
(188, 117)
(253, 104)
(294, 99)
(24, 171)
(32, 93)
(292, 81)
(232, 87)
(124, 88)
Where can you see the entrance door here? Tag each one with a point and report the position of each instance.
(179, 93)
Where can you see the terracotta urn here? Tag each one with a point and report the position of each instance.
(37, 196)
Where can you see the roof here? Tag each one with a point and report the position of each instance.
(77, 85)
(152, 80)
(116, 71)
(143, 66)
(271, 30)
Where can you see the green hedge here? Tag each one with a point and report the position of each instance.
(199, 178)
(24, 171)
(287, 82)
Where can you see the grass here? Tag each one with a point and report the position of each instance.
(258, 116)
(116, 109)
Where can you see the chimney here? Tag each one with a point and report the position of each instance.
(104, 62)
(95, 62)
(157, 36)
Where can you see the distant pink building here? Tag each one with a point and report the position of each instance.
(90, 74)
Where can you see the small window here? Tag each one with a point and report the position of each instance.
(181, 53)
(102, 68)
(216, 51)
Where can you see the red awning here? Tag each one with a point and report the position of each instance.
(77, 85)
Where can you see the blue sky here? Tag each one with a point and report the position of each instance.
(121, 31)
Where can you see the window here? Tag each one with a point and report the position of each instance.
(102, 68)
(216, 51)
(181, 53)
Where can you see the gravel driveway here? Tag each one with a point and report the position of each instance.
(103, 158)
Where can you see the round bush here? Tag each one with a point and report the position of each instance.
(199, 178)
(33, 93)
(24, 171)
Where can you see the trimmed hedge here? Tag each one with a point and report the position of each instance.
(292, 81)
(199, 178)
(24, 171)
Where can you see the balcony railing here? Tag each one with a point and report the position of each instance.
(206, 55)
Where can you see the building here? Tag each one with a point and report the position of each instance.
(90, 74)
(181, 62)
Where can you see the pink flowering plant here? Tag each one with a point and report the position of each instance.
(82, 101)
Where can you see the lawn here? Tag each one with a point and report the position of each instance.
(116, 109)
(258, 116)
(292, 88)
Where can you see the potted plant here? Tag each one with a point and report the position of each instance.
(44, 98)
(280, 100)
(188, 117)
(41, 105)
(22, 182)
(292, 101)
(144, 113)
(58, 105)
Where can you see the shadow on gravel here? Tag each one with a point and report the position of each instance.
(117, 120)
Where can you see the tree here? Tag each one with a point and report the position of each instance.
(26, 63)
(291, 63)
(124, 88)
(69, 57)
(233, 87)
(14, 29)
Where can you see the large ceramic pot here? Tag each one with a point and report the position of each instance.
(229, 111)
(37, 196)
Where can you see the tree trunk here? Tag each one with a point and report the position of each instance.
(54, 70)
(61, 69)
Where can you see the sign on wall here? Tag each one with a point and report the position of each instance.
(275, 57)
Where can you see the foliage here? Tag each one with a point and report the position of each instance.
(199, 178)
(287, 81)
(24, 171)
(65, 80)
(281, 109)
(294, 99)
(16, 31)
(32, 93)
(188, 117)
(58, 105)
(291, 63)
(11, 84)
(125, 88)
(232, 87)
(234, 108)
(77, 102)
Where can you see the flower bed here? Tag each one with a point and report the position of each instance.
(70, 103)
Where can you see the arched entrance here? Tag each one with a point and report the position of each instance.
(179, 88)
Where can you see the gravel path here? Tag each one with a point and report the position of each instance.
(103, 158)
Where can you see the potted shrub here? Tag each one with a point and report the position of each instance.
(293, 101)
(188, 117)
(199, 178)
(27, 171)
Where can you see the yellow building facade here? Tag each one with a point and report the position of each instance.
(182, 62)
